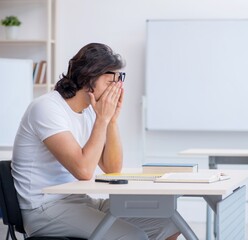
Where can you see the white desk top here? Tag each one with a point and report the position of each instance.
(223, 188)
(5, 155)
(216, 152)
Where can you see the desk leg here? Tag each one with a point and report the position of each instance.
(183, 226)
(103, 226)
(212, 165)
(158, 206)
(212, 162)
(209, 223)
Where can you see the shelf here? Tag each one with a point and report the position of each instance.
(36, 36)
(20, 41)
(40, 85)
(43, 85)
(18, 1)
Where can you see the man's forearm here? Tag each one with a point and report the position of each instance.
(93, 149)
(113, 155)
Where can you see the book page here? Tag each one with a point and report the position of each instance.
(192, 177)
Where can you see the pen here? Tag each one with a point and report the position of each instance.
(116, 181)
(101, 180)
(223, 176)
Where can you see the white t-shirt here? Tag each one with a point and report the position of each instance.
(33, 165)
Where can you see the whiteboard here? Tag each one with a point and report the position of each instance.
(197, 75)
(16, 93)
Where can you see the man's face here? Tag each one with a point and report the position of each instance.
(105, 80)
(101, 84)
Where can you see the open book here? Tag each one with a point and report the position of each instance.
(195, 177)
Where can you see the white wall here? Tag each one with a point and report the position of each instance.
(122, 25)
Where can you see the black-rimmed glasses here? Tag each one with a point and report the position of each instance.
(118, 76)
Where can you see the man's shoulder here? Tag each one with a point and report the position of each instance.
(48, 99)
(48, 102)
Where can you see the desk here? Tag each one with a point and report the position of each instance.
(5, 154)
(215, 157)
(220, 156)
(148, 199)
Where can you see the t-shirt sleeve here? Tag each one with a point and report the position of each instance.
(48, 118)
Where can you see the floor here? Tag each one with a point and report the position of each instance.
(199, 229)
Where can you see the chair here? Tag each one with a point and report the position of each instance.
(9, 204)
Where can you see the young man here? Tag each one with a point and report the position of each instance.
(63, 136)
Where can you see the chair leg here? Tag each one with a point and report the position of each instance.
(7, 235)
(12, 233)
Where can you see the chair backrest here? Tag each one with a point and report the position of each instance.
(8, 198)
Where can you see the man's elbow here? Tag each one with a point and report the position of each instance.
(85, 175)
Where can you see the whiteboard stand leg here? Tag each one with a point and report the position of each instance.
(143, 114)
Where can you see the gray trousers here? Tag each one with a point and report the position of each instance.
(78, 216)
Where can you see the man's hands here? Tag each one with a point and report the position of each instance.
(109, 104)
(118, 107)
(107, 108)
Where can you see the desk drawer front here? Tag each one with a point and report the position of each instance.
(142, 205)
